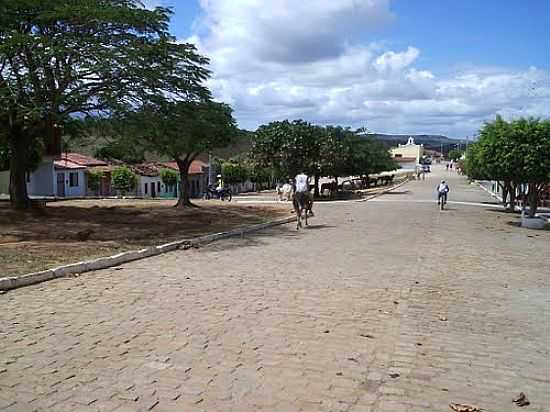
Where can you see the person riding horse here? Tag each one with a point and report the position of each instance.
(302, 198)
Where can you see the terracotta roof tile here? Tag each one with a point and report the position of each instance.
(67, 164)
(195, 168)
(82, 159)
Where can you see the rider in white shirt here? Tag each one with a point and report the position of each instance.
(301, 188)
(442, 190)
(302, 183)
(219, 185)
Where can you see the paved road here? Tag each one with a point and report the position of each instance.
(387, 305)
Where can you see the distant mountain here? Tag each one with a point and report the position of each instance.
(430, 141)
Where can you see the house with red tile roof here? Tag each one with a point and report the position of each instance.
(150, 183)
(71, 176)
(67, 175)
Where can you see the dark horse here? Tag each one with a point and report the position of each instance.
(302, 205)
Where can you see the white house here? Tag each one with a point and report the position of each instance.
(70, 179)
(39, 183)
(408, 155)
(150, 184)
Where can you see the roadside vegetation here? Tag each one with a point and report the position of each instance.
(517, 155)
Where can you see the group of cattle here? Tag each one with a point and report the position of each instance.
(285, 191)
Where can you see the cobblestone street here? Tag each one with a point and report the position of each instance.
(387, 305)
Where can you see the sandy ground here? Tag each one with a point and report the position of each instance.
(70, 231)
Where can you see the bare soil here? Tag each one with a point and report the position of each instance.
(71, 231)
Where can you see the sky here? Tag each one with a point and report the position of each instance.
(392, 66)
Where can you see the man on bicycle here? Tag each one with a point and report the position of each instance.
(442, 190)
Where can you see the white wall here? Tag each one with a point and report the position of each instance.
(41, 182)
(197, 185)
(142, 180)
(71, 191)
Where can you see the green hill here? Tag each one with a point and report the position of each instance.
(430, 141)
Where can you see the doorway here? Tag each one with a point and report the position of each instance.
(61, 185)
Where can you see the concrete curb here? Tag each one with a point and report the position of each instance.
(516, 208)
(13, 282)
(499, 198)
(383, 192)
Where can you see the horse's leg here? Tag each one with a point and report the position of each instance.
(297, 210)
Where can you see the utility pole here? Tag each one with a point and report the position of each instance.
(210, 171)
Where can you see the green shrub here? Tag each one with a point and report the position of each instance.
(123, 179)
(94, 179)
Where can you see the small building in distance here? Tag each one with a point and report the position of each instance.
(150, 184)
(408, 155)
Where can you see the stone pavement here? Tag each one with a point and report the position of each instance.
(389, 305)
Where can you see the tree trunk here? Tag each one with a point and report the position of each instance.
(533, 199)
(184, 198)
(335, 191)
(512, 195)
(505, 192)
(316, 189)
(19, 197)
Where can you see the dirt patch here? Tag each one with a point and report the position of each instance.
(71, 231)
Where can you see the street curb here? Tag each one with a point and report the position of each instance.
(383, 192)
(13, 282)
(492, 194)
(516, 208)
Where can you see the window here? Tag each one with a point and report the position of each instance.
(158, 187)
(73, 179)
(398, 155)
(145, 188)
(28, 177)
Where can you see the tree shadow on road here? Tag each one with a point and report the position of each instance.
(320, 226)
(532, 233)
(398, 192)
(287, 232)
(256, 239)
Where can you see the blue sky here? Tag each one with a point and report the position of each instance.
(449, 32)
(433, 66)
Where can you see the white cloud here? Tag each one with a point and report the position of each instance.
(305, 59)
(396, 61)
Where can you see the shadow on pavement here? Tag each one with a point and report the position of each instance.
(256, 239)
(398, 192)
(531, 232)
(321, 226)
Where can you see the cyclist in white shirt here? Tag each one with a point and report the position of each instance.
(442, 190)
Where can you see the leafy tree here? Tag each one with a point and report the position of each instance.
(60, 58)
(169, 177)
(288, 147)
(531, 138)
(123, 150)
(336, 151)
(490, 158)
(182, 131)
(123, 179)
(94, 179)
(234, 172)
(517, 154)
(455, 154)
